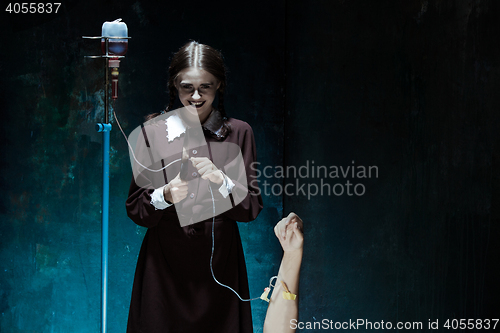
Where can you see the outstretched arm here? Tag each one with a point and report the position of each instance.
(282, 311)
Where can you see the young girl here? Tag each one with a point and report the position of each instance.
(174, 289)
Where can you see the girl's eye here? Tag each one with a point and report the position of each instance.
(205, 86)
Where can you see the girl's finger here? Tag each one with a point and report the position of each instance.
(204, 170)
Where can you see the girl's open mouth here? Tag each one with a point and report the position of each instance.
(197, 104)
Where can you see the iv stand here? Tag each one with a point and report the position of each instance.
(105, 128)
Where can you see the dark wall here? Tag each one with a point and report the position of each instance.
(406, 87)
(412, 88)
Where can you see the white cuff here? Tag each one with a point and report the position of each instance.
(226, 187)
(158, 200)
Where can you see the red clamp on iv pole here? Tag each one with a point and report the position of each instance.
(114, 64)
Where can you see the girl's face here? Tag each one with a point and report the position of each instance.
(197, 87)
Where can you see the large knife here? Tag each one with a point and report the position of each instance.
(185, 157)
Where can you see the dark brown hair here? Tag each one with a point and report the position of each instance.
(207, 58)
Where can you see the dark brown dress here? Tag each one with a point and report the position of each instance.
(174, 290)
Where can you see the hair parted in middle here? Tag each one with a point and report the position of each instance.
(194, 54)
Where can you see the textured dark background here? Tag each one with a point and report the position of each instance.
(407, 86)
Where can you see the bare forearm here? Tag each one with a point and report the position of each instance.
(289, 270)
(281, 311)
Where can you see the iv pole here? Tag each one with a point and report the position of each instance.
(105, 128)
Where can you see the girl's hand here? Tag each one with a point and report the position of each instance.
(207, 169)
(289, 232)
(176, 190)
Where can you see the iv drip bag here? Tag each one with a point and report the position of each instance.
(116, 28)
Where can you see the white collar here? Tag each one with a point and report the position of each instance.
(175, 127)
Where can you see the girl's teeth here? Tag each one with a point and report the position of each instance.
(197, 103)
